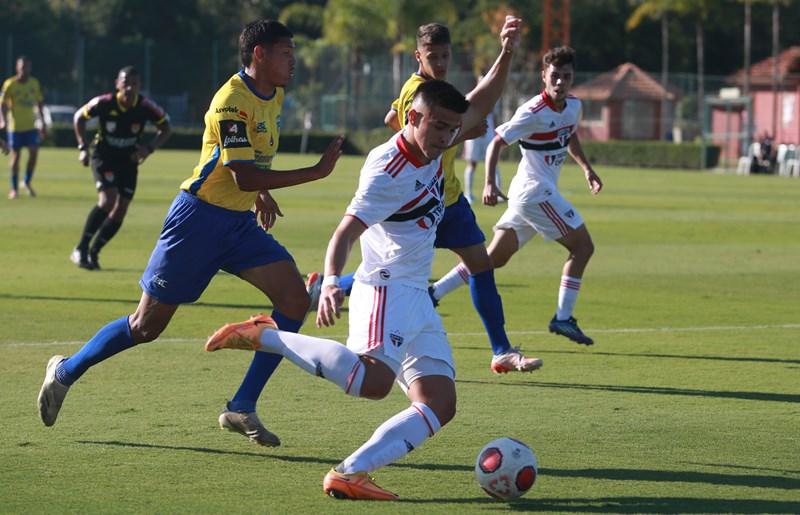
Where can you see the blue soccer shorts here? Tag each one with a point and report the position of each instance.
(458, 228)
(17, 140)
(198, 240)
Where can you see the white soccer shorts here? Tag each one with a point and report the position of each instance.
(552, 218)
(399, 326)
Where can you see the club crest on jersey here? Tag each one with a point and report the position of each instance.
(563, 136)
(135, 127)
(396, 339)
(233, 134)
(261, 126)
(111, 126)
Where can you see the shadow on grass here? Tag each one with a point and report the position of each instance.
(626, 504)
(615, 474)
(748, 396)
(591, 352)
(135, 302)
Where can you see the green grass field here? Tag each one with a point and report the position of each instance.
(689, 402)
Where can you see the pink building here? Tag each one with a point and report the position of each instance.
(774, 113)
(624, 103)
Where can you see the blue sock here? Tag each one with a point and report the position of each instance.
(14, 181)
(346, 283)
(110, 340)
(261, 369)
(28, 176)
(490, 308)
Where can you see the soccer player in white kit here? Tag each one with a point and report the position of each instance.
(546, 128)
(396, 335)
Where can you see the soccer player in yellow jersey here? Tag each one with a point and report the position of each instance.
(458, 230)
(211, 227)
(20, 105)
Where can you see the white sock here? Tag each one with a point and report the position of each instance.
(455, 278)
(567, 296)
(469, 172)
(328, 359)
(393, 439)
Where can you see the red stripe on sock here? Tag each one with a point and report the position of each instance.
(427, 422)
(352, 376)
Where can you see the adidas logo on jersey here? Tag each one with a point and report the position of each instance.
(418, 186)
(552, 124)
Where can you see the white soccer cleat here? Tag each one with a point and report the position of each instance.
(52, 393)
(313, 288)
(514, 361)
(249, 425)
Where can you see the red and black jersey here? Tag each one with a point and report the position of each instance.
(119, 129)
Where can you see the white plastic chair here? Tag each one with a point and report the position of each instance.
(746, 162)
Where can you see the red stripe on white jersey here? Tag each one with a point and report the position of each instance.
(427, 422)
(414, 202)
(554, 217)
(393, 161)
(543, 136)
(376, 318)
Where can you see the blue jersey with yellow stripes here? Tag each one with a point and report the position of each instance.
(241, 125)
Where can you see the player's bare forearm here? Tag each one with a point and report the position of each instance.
(391, 121)
(79, 126)
(488, 91)
(249, 177)
(575, 150)
(163, 132)
(332, 296)
(492, 157)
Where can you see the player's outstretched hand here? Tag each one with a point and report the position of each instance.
(595, 184)
(267, 210)
(329, 157)
(510, 33)
(491, 193)
(330, 300)
(477, 131)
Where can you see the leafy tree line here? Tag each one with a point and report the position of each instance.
(189, 47)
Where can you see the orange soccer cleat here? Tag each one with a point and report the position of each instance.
(242, 335)
(355, 486)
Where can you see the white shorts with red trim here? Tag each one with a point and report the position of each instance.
(553, 217)
(398, 325)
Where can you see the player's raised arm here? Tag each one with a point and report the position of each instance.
(250, 177)
(486, 94)
(391, 121)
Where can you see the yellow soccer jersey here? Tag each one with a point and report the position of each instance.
(241, 126)
(21, 98)
(452, 186)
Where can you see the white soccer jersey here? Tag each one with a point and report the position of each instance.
(400, 201)
(543, 134)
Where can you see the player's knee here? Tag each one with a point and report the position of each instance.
(499, 261)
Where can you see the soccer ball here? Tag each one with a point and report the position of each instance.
(506, 468)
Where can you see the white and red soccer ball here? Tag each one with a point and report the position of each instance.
(506, 468)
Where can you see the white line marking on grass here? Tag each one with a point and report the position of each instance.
(621, 330)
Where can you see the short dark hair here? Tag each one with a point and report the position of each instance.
(261, 32)
(129, 70)
(24, 58)
(559, 56)
(443, 94)
(433, 34)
